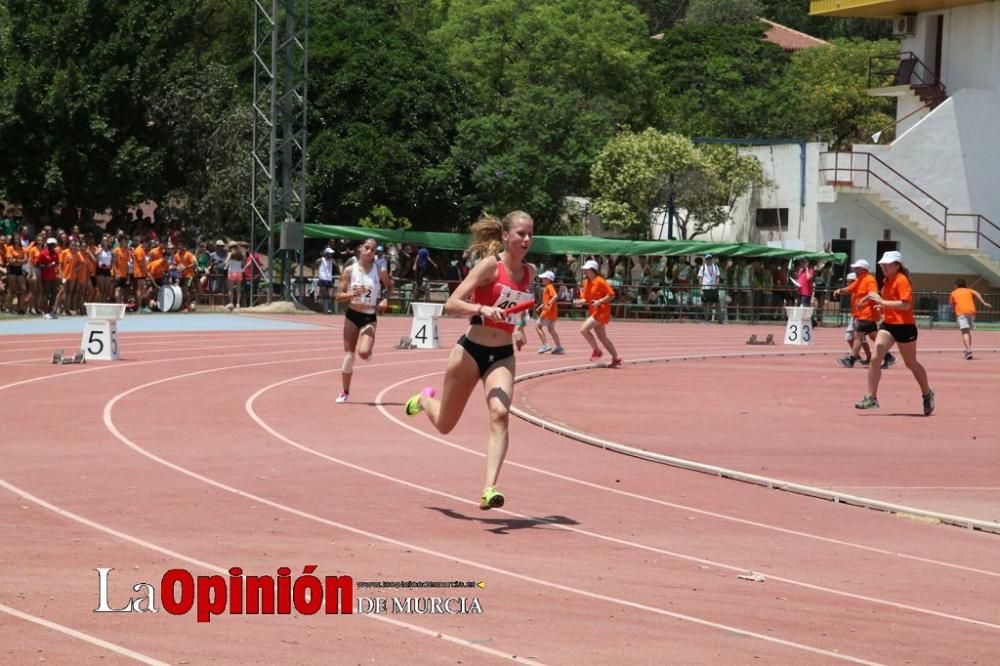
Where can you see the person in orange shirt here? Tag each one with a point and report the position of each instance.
(963, 300)
(33, 273)
(121, 256)
(548, 312)
(863, 313)
(139, 272)
(86, 271)
(898, 327)
(596, 294)
(185, 263)
(16, 260)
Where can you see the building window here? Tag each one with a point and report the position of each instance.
(772, 218)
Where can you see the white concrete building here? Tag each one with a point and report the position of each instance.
(933, 191)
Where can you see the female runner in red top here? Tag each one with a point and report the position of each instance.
(499, 280)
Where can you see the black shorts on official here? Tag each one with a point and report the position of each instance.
(901, 332)
(865, 326)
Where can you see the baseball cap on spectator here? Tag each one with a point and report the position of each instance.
(590, 264)
(708, 256)
(891, 257)
(547, 275)
(220, 242)
(380, 249)
(328, 250)
(51, 241)
(861, 263)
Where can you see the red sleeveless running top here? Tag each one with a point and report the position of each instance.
(503, 293)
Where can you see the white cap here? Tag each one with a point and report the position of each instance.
(852, 277)
(861, 263)
(890, 257)
(590, 264)
(51, 241)
(547, 275)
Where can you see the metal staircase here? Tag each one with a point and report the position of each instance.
(957, 234)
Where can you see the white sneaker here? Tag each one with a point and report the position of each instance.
(342, 397)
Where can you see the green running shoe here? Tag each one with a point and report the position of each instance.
(413, 404)
(491, 499)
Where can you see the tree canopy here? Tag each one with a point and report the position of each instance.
(428, 112)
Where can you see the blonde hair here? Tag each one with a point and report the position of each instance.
(487, 233)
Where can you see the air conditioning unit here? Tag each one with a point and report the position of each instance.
(904, 25)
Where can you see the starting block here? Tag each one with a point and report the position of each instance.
(405, 343)
(59, 358)
(769, 340)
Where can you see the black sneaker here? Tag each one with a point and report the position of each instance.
(847, 361)
(888, 361)
(870, 402)
(865, 362)
(968, 356)
(929, 402)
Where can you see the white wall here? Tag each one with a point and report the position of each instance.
(970, 46)
(866, 224)
(783, 167)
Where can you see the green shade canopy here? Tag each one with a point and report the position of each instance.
(573, 244)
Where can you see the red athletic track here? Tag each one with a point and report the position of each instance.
(211, 450)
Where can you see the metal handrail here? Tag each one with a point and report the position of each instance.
(898, 59)
(869, 173)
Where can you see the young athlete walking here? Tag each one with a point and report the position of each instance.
(500, 280)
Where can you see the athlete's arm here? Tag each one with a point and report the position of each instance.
(482, 274)
(980, 299)
(344, 295)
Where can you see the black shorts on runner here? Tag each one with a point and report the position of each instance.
(901, 332)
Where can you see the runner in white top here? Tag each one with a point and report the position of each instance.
(364, 288)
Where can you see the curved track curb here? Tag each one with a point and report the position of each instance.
(726, 473)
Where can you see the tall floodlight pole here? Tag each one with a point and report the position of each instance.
(278, 151)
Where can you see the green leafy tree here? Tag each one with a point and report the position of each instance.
(631, 178)
(661, 14)
(382, 217)
(795, 15)
(74, 112)
(382, 115)
(631, 175)
(723, 12)
(824, 94)
(706, 195)
(717, 80)
(550, 82)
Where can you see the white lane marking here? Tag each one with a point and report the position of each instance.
(79, 635)
(24, 494)
(109, 424)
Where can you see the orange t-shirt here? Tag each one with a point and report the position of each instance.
(185, 258)
(66, 264)
(962, 300)
(157, 268)
(15, 253)
(33, 252)
(897, 288)
(81, 267)
(155, 253)
(139, 261)
(91, 261)
(593, 290)
(550, 305)
(119, 262)
(859, 289)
